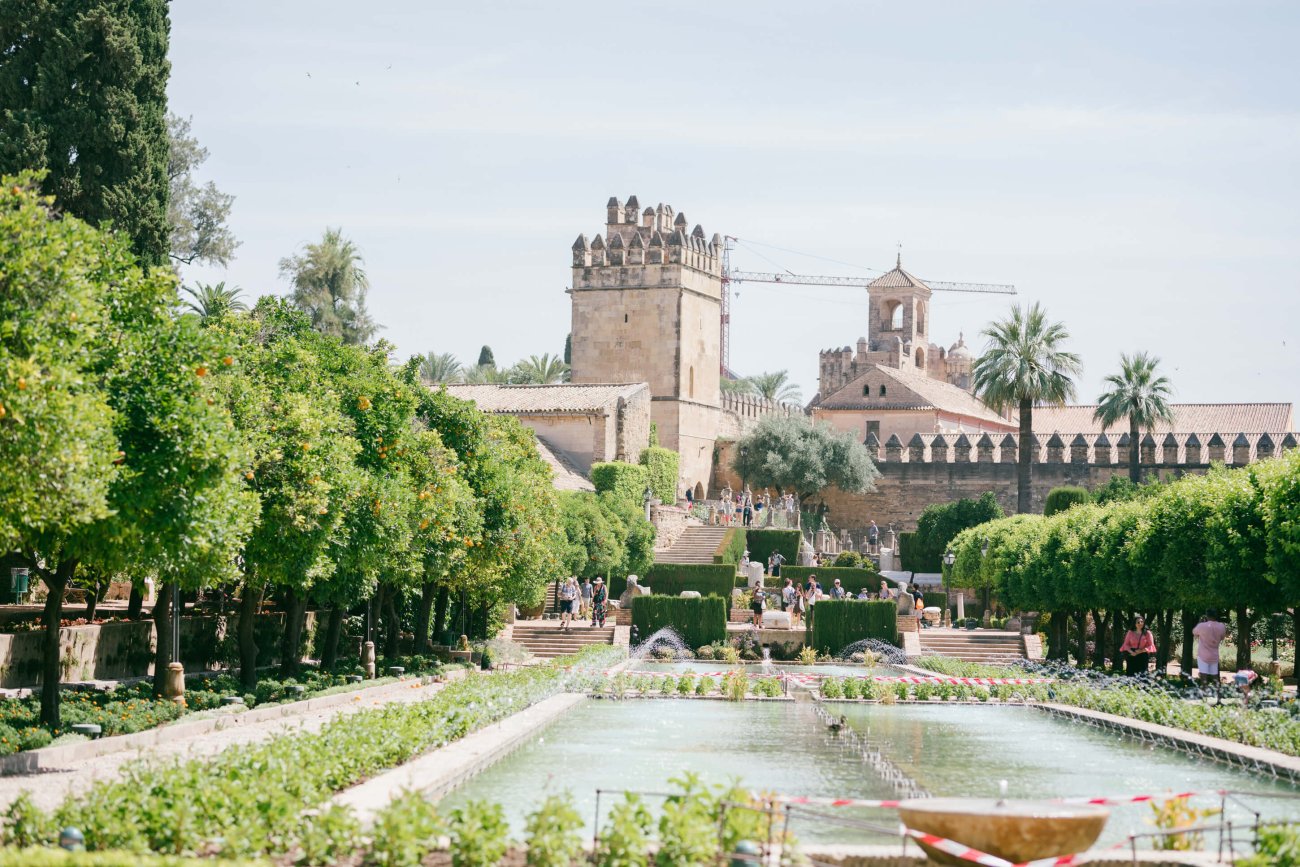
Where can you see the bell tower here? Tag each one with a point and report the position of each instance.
(898, 312)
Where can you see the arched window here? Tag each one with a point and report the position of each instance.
(894, 315)
(866, 391)
(882, 390)
(920, 358)
(690, 391)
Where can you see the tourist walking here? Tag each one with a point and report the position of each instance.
(777, 560)
(568, 601)
(873, 538)
(1137, 647)
(1209, 635)
(599, 597)
(586, 598)
(788, 592)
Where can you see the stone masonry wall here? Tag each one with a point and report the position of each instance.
(945, 468)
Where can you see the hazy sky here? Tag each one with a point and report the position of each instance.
(1133, 166)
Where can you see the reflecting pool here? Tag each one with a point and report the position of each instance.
(959, 750)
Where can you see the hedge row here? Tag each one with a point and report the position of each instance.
(835, 624)
(661, 469)
(698, 621)
(625, 481)
(707, 579)
(732, 548)
(761, 543)
(935, 600)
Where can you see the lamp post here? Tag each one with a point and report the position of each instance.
(948, 559)
(1275, 624)
(986, 591)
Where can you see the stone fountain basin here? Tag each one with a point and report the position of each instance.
(1015, 830)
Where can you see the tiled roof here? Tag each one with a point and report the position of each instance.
(897, 279)
(1221, 418)
(931, 394)
(566, 398)
(567, 477)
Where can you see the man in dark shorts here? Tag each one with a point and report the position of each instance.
(757, 604)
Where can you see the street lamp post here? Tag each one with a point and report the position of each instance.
(948, 559)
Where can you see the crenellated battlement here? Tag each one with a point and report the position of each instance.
(747, 406)
(655, 236)
(1169, 451)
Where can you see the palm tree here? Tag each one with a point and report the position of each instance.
(330, 286)
(1139, 394)
(1024, 366)
(435, 367)
(539, 370)
(775, 387)
(482, 374)
(214, 300)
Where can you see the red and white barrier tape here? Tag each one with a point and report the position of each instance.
(975, 856)
(833, 802)
(812, 678)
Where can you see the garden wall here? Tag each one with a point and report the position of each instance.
(117, 651)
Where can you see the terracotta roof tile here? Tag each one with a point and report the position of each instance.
(1225, 418)
(931, 393)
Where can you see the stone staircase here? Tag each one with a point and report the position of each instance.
(548, 641)
(695, 545)
(978, 645)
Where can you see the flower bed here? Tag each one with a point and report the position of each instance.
(133, 708)
(249, 800)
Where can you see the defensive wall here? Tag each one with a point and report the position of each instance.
(947, 467)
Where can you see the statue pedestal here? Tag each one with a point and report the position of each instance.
(174, 683)
(368, 659)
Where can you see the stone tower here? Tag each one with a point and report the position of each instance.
(898, 318)
(647, 298)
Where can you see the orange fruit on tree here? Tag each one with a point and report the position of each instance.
(227, 361)
(201, 370)
(22, 383)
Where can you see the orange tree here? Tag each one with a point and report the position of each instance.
(517, 549)
(301, 465)
(123, 461)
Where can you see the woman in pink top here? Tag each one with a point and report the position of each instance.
(1137, 647)
(1209, 635)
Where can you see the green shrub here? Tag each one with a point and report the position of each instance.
(625, 840)
(698, 621)
(852, 580)
(661, 468)
(848, 560)
(763, 542)
(707, 579)
(939, 524)
(554, 838)
(834, 624)
(732, 547)
(59, 858)
(1065, 497)
(934, 599)
(405, 831)
(625, 481)
(478, 835)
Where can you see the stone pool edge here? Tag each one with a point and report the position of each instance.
(436, 773)
(1278, 764)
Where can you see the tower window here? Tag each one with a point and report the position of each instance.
(920, 358)
(894, 315)
(882, 390)
(866, 391)
(625, 317)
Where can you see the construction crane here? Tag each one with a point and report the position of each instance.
(730, 276)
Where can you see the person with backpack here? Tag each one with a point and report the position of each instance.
(568, 602)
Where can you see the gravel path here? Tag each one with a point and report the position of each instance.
(49, 787)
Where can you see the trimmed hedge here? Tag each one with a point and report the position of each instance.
(909, 559)
(935, 600)
(707, 579)
(764, 542)
(661, 468)
(698, 621)
(625, 481)
(833, 624)
(60, 858)
(1064, 497)
(732, 547)
(852, 580)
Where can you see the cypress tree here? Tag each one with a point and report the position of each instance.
(83, 96)
(568, 349)
(485, 357)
